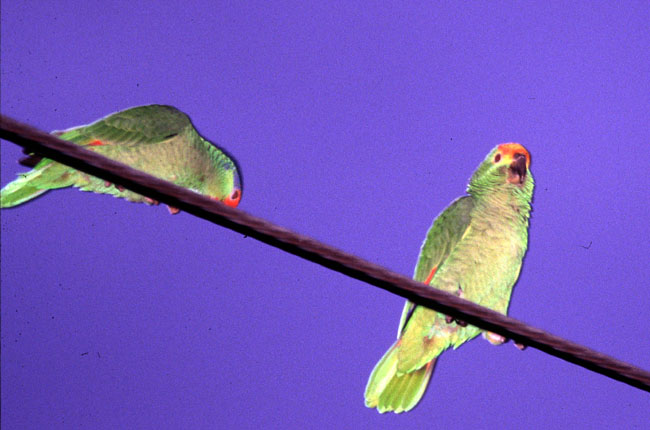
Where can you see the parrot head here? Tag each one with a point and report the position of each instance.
(506, 167)
(233, 197)
(516, 158)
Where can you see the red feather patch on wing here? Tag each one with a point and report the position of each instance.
(430, 277)
(96, 143)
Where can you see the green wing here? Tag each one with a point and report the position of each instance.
(141, 124)
(389, 387)
(114, 136)
(446, 231)
(138, 125)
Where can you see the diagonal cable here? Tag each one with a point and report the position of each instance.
(310, 249)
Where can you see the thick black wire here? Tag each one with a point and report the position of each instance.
(310, 249)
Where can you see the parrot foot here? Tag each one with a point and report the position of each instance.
(173, 210)
(496, 339)
(520, 346)
(449, 320)
(151, 201)
(493, 338)
(119, 187)
(31, 160)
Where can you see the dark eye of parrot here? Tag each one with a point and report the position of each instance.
(497, 158)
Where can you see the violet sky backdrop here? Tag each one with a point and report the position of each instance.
(355, 123)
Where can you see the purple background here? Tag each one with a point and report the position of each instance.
(355, 124)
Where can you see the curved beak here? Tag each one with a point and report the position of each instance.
(233, 199)
(517, 169)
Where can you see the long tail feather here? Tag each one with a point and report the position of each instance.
(389, 391)
(46, 176)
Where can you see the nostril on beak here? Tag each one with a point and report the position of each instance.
(519, 157)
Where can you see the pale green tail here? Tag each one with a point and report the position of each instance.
(388, 391)
(47, 175)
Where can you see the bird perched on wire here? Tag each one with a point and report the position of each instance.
(474, 249)
(156, 139)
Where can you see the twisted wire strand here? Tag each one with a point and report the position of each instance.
(50, 146)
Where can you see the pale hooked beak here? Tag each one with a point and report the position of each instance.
(517, 169)
(233, 199)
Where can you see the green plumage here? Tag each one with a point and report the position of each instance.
(156, 139)
(475, 250)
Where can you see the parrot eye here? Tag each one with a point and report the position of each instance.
(497, 158)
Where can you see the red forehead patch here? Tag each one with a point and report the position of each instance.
(509, 150)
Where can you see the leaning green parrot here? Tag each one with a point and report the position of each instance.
(157, 139)
(474, 249)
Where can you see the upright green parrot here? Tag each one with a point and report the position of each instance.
(474, 249)
(157, 139)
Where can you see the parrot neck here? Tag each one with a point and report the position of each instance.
(506, 200)
(511, 204)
